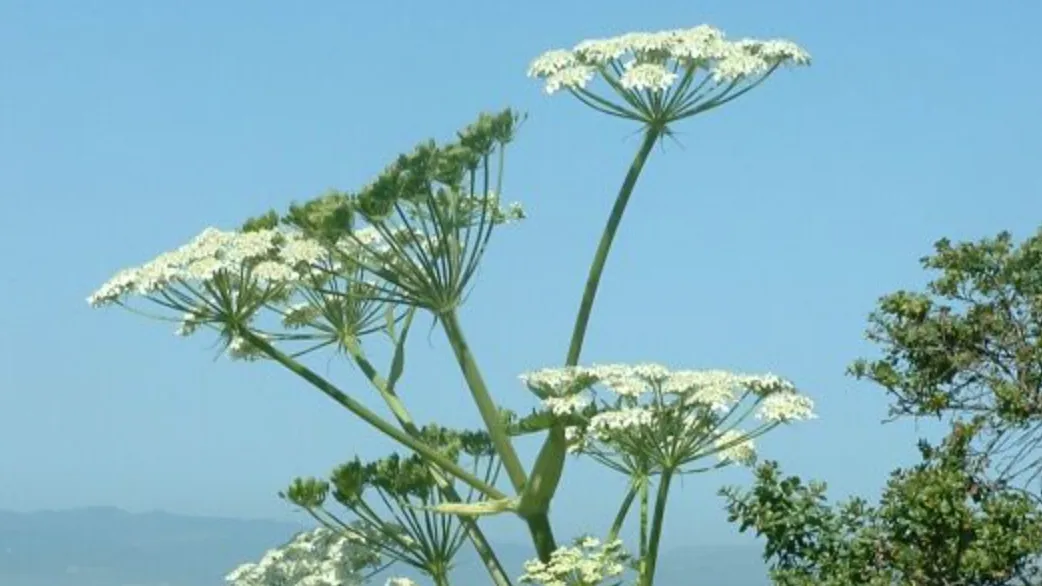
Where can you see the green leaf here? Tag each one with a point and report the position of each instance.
(398, 360)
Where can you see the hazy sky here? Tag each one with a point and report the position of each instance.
(758, 244)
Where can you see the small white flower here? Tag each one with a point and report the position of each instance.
(240, 349)
(557, 382)
(551, 62)
(298, 315)
(656, 44)
(274, 272)
(589, 542)
(514, 212)
(733, 448)
(592, 561)
(620, 379)
(566, 405)
(190, 322)
(653, 77)
(574, 77)
(715, 389)
(736, 63)
(780, 51)
(786, 407)
(575, 438)
(300, 250)
(698, 45)
(653, 374)
(768, 384)
(604, 423)
(601, 51)
(246, 246)
(204, 269)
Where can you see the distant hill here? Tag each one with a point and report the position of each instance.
(110, 547)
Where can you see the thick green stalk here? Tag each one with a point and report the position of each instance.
(474, 533)
(542, 535)
(363, 413)
(538, 521)
(582, 319)
(651, 559)
(486, 406)
(651, 136)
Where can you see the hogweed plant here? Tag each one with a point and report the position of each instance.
(349, 270)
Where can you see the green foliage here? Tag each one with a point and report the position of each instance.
(389, 498)
(970, 345)
(936, 524)
(325, 218)
(968, 349)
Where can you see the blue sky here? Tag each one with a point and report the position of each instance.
(758, 244)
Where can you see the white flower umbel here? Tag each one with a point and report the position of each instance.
(217, 278)
(734, 446)
(645, 418)
(786, 407)
(558, 382)
(312, 558)
(271, 257)
(587, 563)
(225, 279)
(664, 76)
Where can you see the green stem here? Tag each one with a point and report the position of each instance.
(651, 559)
(371, 418)
(538, 521)
(642, 548)
(440, 576)
(651, 135)
(542, 535)
(391, 399)
(474, 533)
(486, 406)
(624, 509)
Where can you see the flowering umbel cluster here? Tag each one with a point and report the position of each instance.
(646, 418)
(664, 76)
(211, 262)
(587, 563)
(422, 226)
(390, 501)
(312, 558)
(342, 265)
